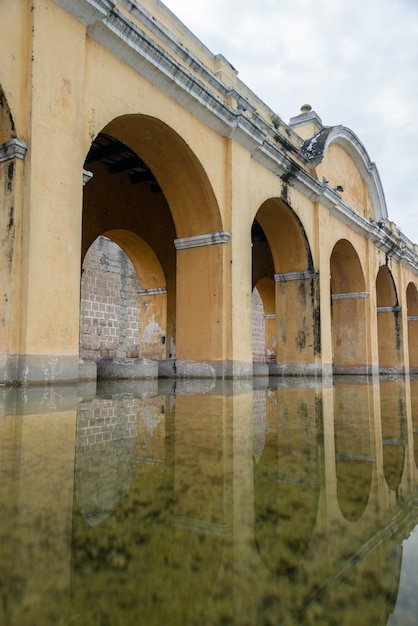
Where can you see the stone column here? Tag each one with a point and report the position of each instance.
(297, 323)
(200, 332)
(350, 332)
(12, 154)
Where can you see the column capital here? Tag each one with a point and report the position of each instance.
(389, 309)
(13, 149)
(198, 241)
(303, 275)
(350, 295)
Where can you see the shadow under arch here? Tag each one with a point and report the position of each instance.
(143, 257)
(281, 253)
(389, 323)
(394, 430)
(104, 469)
(177, 170)
(412, 308)
(348, 310)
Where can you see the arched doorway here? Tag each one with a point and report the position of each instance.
(281, 256)
(348, 311)
(388, 323)
(148, 184)
(412, 305)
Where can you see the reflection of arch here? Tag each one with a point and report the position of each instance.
(412, 305)
(286, 237)
(394, 432)
(287, 480)
(281, 253)
(354, 462)
(388, 322)
(348, 309)
(143, 257)
(105, 467)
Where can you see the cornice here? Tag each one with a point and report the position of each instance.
(88, 11)
(206, 99)
(198, 241)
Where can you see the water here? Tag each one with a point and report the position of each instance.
(194, 504)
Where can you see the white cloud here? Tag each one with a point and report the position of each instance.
(355, 61)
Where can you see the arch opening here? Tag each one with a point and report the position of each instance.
(348, 311)
(389, 323)
(288, 286)
(147, 192)
(412, 316)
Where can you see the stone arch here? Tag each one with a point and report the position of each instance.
(281, 253)
(389, 322)
(412, 309)
(348, 310)
(147, 181)
(177, 170)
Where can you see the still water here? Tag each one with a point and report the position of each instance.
(194, 504)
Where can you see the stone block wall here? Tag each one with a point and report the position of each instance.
(109, 324)
(259, 328)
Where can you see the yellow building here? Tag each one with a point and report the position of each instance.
(117, 122)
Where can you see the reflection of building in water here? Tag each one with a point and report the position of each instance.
(353, 457)
(287, 480)
(394, 431)
(182, 510)
(326, 526)
(113, 435)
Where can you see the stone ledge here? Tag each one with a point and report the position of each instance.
(127, 369)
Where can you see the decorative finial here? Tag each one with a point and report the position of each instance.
(305, 108)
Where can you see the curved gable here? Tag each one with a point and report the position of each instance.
(340, 157)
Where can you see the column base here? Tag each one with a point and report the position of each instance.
(38, 369)
(299, 369)
(127, 369)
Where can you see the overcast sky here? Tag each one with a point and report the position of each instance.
(354, 61)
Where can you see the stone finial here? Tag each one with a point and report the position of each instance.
(306, 108)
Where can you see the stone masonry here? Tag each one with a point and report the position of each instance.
(109, 323)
